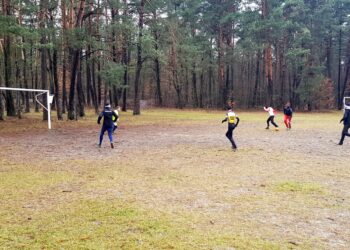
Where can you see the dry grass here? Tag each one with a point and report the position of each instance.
(173, 183)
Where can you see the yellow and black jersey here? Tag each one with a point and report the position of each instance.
(231, 117)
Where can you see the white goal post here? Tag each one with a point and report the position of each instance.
(49, 99)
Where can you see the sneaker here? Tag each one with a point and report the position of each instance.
(277, 129)
(340, 143)
(112, 146)
(267, 128)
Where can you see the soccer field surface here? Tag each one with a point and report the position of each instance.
(173, 182)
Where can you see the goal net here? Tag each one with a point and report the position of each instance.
(49, 99)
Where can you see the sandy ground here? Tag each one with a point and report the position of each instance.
(189, 170)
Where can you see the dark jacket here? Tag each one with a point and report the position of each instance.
(107, 115)
(346, 117)
(288, 111)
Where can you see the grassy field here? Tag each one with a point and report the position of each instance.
(172, 182)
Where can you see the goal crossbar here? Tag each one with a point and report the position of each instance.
(49, 99)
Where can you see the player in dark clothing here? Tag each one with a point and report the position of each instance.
(108, 125)
(288, 114)
(233, 121)
(346, 122)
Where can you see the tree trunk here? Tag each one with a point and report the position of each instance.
(210, 79)
(57, 86)
(43, 53)
(115, 18)
(10, 107)
(221, 70)
(36, 80)
(126, 82)
(125, 57)
(194, 86)
(187, 84)
(201, 88)
(88, 91)
(257, 75)
(227, 82)
(339, 101)
(99, 83)
(64, 82)
(156, 62)
(283, 73)
(267, 56)
(136, 110)
(268, 74)
(75, 64)
(329, 57)
(90, 80)
(179, 99)
(115, 96)
(71, 106)
(105, 93)
(64, 56)
(25, 81)
(80, 91)
(2, 108)
(158, 87)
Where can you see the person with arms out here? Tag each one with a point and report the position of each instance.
(346, 122)
(288, 113)
(107, 125)
(233, 121)
(271, 118)
(116, 118)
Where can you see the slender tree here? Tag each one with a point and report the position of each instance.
(140, 10)
(10, 107)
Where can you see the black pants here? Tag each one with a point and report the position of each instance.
(344, 133)
(271, 119)
(229, 134)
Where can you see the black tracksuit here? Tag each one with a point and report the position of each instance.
(108, 124)
(346, 122)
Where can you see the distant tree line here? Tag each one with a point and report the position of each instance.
(182, 53)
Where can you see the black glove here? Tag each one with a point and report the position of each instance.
(223, 121)
(341, 120)
(98, 122)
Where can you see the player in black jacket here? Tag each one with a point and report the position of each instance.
(288, 114)
(346, 122)
(108, 125)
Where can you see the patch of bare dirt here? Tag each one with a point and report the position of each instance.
(191, 169)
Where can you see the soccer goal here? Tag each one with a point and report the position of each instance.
(40, 92)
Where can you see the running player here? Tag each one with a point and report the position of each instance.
(288, 113)
(271, 118)
(346, 122)
(108, 125)
(233, 121)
